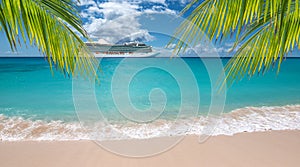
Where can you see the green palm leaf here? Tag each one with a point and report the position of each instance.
(54, 26)
(266, 31)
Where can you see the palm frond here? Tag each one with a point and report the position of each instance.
(266, 31)
(54, 27)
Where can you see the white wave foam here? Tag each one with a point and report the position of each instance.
(249, 119)
(19, 129)
(257, 119)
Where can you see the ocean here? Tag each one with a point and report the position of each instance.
(142, 98)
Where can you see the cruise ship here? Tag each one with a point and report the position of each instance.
(131, 49)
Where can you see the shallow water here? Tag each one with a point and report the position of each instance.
(36, 105)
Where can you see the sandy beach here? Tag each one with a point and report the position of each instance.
(272, 148)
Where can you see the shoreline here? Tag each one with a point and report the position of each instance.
(269, 148)
(247, 119)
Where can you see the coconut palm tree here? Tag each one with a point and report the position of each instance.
(265, 31)
(53, 26)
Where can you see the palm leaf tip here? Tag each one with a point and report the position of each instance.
(53, 27)
(266, 32)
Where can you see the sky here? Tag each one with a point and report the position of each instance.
(117, 21)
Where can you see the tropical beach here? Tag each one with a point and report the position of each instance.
(264, 133)
(149, 83)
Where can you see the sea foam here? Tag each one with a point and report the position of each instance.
(248, 119)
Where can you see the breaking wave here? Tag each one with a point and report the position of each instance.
(248, 119)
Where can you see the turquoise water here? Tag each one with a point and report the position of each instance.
(30, 91)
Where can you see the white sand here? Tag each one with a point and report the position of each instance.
(274, 148)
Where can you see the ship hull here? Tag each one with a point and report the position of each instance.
(117, 50)
(129, 55)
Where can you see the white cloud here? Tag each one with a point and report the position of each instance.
(86, 2)
(157, 1)
(182, 2)
(94, 9)
(163, 2)
(206, 50)
(185, 1)
(171, 46)
(159, 9)
(119, 20)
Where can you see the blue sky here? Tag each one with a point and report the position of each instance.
(118, 21)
